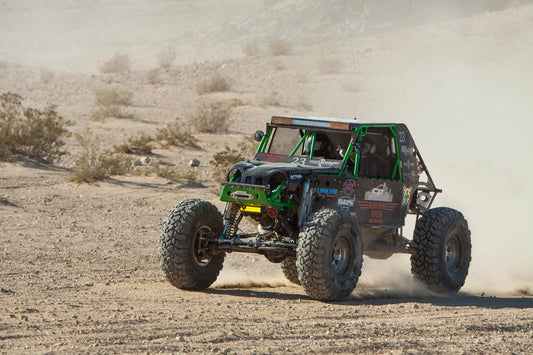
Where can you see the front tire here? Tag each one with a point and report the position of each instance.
(329, 256)
(183, 249)
(441, 250)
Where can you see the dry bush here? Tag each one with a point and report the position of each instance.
(224, 159)
(166, 57)
(111, 104)
(30, 132)
(279, 47)
(211, 118)
(175, 134)
(136, 145)
(217, 83)
(95, 163)
(101, 113)
(112, 97)
(154, 76)
(251, 50)
(175, 173)
(119, 63)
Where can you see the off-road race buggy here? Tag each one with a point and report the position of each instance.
(323, 192)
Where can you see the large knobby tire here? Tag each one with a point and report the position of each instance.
(441, 250)
(329, 255)
(182, 254)
(288, 266)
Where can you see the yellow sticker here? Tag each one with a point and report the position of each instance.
(253, 209)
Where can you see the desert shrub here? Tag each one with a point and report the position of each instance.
(30, 132)
(224, 159)
(153, 76)
(112, 97)
(110, 103)
(136, 145)
(251, 50)
(101, 113)
(211, 118)
(95, 163)
(175, 173)
(119, 63)
(166, 57)
(279, 47)
(216, 83)
(175, 134)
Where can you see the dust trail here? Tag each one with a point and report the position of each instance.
(250, 271)
(464, 96)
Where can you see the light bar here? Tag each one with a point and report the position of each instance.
(310, 122)
(281, 120)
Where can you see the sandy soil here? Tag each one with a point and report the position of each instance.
(78, 263)
(80, 274)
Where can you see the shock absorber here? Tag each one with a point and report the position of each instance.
(305, 203)
(232, 218)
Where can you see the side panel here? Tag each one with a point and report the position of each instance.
(381, 203)
(372, 202)
(407, 155)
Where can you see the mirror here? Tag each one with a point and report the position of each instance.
(258, 135)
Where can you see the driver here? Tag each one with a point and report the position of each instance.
(321, 148)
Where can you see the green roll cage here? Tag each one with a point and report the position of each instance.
(357, 133)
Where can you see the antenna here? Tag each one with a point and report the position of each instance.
(355, 76)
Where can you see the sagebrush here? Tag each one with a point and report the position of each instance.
(30, 132)
(112, 103)
(211, 118)
(119, 63)
(140, 144)
(224, 159)
(112, 97)
(175, 134)
(216, 83)
(96, 163)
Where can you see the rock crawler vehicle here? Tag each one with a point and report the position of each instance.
(323, 192)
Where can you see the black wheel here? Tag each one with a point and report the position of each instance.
(184, 255)
(329, 255)
(441, 250)
(288, 266)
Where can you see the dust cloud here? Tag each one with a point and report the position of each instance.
(458, 74)
(461, 87)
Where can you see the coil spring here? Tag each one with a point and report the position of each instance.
(232, 225)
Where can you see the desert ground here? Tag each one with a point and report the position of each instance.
(79, 270)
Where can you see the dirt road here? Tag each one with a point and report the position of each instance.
(79, 273)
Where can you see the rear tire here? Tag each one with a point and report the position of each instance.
(186, 261)
(329, 255)
(288, 266)
(441, 250)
